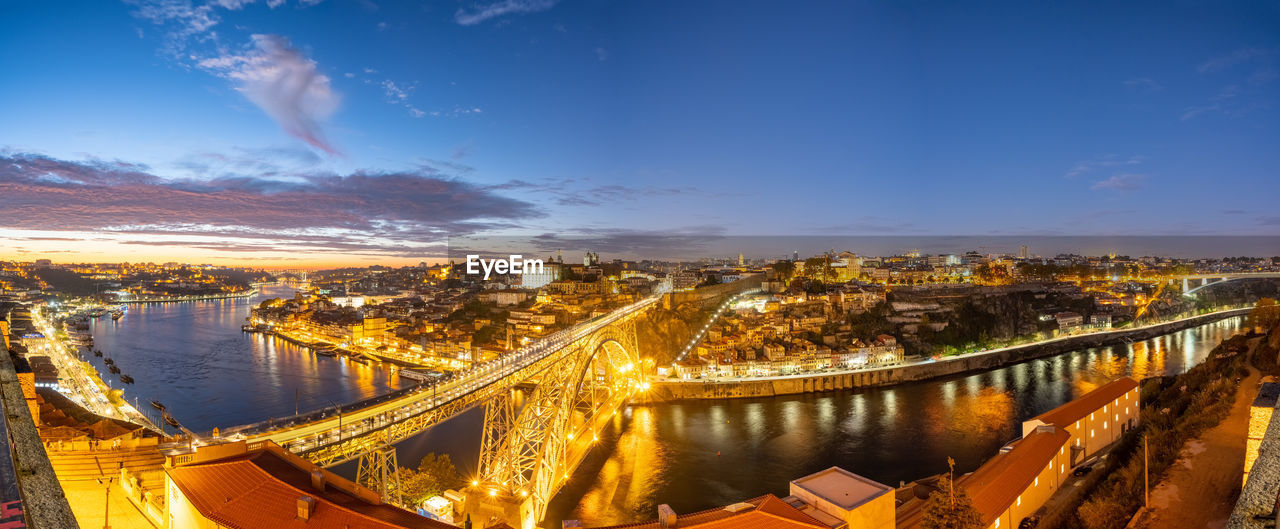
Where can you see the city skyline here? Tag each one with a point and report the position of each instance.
(326, 133)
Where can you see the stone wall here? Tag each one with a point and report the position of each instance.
(667, 391)
(41, 498)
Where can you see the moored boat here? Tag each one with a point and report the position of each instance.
(115, 370)
(126, 379)
(156, 404)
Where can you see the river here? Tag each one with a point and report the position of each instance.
(695, 455)
(192, 357)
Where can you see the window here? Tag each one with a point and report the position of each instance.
(1019, 500)
(1062, 468)
(1091, 433)
(1037, 483)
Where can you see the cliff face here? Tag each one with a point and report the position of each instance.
(663, 332)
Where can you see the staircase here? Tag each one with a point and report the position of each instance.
(145, 462)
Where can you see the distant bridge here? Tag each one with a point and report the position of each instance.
(1213, 279)
(581, 376)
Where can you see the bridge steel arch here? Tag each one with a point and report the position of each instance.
(1208, 280)
(529, 451)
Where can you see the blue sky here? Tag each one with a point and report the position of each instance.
(187, 128)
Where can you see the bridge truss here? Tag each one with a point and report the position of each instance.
(530, 446)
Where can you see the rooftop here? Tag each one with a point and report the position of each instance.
(261, 489)
(841, 487)
(995, 485)
(998, 483)
(764, 512)
(1067, 414)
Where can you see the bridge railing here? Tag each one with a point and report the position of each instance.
(446, 388)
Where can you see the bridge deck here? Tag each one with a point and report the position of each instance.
(336, 434)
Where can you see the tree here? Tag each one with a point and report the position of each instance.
(435, 475)
(949, 507)
(784, 269)
(1265, 314)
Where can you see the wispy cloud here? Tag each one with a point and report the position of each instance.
(1101, 163)
(365, 211)
(268, 71)
(1121, 182)
(482, 12)
(573, 192)
(283, 83)
(1143, 84)
(1251, 70)
(1233, 59)
(602, 54)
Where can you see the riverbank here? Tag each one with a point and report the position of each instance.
(338, 352)
(176, 299)
(676, 390)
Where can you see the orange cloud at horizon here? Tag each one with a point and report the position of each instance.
(92, 247)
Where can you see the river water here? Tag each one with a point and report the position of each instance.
(194, 358)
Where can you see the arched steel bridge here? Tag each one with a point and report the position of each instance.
(1207, 279)
(580, 377)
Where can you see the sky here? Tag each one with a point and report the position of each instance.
(290, 133)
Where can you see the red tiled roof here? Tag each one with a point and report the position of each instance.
(1067, 414)
(998, 482)
(239, 493)
(768, 512)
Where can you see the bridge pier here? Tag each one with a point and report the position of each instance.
(488, 507)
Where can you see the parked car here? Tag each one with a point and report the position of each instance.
(1029, 522)
(1082, 470)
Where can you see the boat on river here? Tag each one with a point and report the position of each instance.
(97, 352)
(126, 379)
(156, 404)
(168, 419)
(108, 361)
(114, 370)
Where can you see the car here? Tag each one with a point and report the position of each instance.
(1029, 522)
(1082, 470)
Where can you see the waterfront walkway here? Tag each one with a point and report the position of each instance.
(1201, 487)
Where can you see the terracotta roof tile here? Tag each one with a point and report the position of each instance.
(998, 482)
(240, 494)
(769, 512)
(1067, 414)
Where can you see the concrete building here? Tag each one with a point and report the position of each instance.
(1018, 481)
(839, 498)
(1095, 419)
(1068, 321)
(831, 499)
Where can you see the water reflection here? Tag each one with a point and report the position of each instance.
(193, 357)
(698, 455)
(692, 455)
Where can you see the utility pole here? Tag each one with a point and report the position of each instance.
(951, 482)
